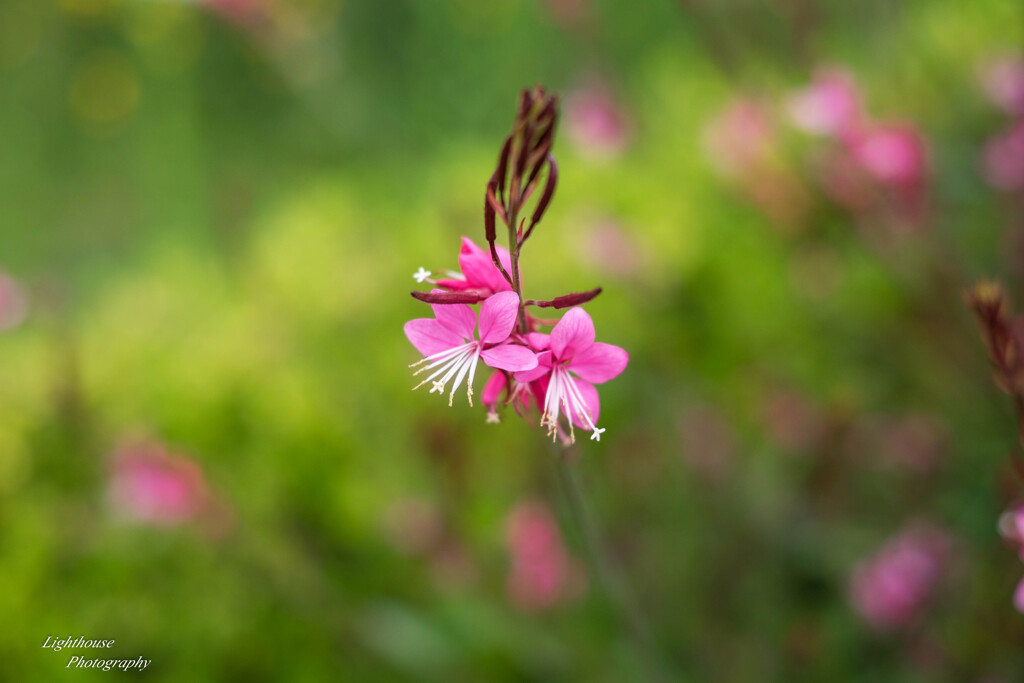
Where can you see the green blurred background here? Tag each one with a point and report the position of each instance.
(215, 210)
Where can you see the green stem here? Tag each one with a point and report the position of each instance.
(614, 584)
(513, 249)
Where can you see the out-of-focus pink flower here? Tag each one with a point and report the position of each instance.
(152, 486)
(740, 138)
(595, 122)
(607, 244)
(450, 348)
(1011, 526)
(892, 154)
(1002, 79)
(13, 302)
(570, 361)
(831, 105)
(542, 573)
(891, 589)
(1003, 159)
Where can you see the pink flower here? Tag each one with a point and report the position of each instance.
(518, 394)
(595, 122)
(541, 567)
(13, 302)
(154, 487)
(1003, 159)
(1011, 526)
(740, 139)
(449, 348)
(893, 154)
(892, 588)
(571, 350)
(831, 105)
(478, 271)
(1003, 82)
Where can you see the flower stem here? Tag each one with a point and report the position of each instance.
(513, 249)
(614, 584)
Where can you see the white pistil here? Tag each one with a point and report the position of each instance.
(493, 418)
(421, 275)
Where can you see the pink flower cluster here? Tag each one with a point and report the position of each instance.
(891, 589)
(1011, 526)
(555, 372)
(1003, 155)
(872, 167)
(869, 155)
(542, 572)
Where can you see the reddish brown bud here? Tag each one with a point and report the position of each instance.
(466, 297)
(567, 300)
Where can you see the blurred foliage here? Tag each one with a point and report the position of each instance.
(217, 221)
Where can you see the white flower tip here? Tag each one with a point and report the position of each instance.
(596, 436)
(493, 418)
(421, 275)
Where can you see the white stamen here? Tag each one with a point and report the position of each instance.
(564, 393)
(446, 365)
(456, 362)
(466, 365)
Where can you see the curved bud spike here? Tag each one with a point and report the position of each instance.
(545, 198)
(501, 173)
(489, 214)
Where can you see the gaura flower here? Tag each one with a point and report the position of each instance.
(152, 486)
(829, 106)
(1011, 526)
(892, 588)
(892, 154)
(449, 348)
(571, 362)
(542, 572)
(1003, 159)
(518, 395)
(478, 271)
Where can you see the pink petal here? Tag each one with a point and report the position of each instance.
(1018, 597)
(458, 318)
(589, 394)
(453, 284)
(492, 390)
(479, 269)
(599, 362)
(498, 317)
(511, 357)
(573, 333)
(538, 341)
(429, 336)
(542, 369)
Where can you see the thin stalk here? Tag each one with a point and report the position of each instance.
(513, 250)
(614, 584)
